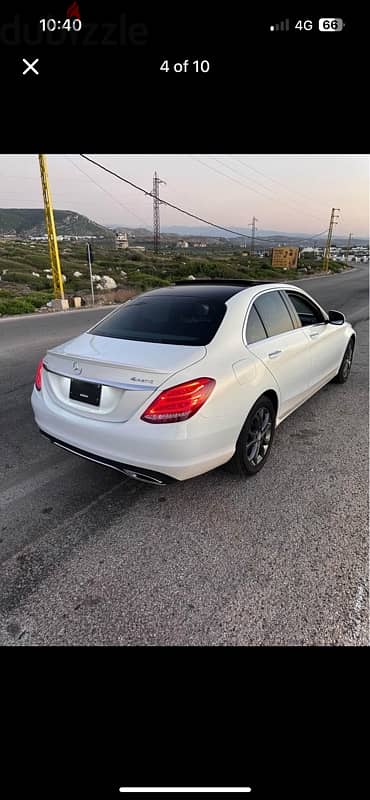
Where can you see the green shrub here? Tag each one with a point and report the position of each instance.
(16, 305)
(143, 279)
(28, 279)
(23, 305)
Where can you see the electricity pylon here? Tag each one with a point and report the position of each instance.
(156, 212)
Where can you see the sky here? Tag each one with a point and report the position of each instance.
(291, 193)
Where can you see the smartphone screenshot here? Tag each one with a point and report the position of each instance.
(184, 279)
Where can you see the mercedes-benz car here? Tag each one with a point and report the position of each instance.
(182, 379)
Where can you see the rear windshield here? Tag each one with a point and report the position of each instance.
(166, 320)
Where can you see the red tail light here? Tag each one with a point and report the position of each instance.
(38, 376)
(180, 402)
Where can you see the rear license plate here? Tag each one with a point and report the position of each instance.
(85, 392)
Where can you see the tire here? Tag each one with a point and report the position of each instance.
(345, 367)
(258, 431)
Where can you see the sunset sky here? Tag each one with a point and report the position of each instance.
(292, 193)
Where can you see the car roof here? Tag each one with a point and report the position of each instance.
(221, 289)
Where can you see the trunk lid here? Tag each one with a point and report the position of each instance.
(129, 372)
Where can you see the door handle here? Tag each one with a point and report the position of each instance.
(313, 335)
(275, 354)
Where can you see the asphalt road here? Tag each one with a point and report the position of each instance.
(90, 558)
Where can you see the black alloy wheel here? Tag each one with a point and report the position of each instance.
(346, 364)
(255, 440)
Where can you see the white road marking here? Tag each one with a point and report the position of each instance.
(357, 610)
(359, 597)
(24, 488)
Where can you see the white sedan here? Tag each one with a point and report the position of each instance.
(180, 380)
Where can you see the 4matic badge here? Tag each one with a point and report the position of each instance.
(142, 380)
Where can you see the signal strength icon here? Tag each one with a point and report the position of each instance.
(280, 26)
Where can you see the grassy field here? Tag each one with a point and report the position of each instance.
(21, 291)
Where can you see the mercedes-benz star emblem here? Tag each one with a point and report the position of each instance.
(76, 368)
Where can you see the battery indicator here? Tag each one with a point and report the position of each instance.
(331, 24)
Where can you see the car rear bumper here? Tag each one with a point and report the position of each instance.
(160, 453)
(148, 476)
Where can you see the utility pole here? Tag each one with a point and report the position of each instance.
(156, 213)
(349, 246)
(51, 232)
(90, 259)
(253, 224)
(333, 221)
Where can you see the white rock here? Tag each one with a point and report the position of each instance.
(36, 274)
(49, 277)
(96, 278)
(190, 278)
(108, 282)
(77, 274)
(124, 274)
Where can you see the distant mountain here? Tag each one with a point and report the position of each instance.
(204, 231)
(185, 230)
(207, 232)
(27, 222)
(193, 230)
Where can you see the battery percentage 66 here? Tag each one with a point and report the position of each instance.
(331, 24)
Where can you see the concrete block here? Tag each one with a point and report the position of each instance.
(60, 305)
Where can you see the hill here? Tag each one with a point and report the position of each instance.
(26, 222)
(207, 233)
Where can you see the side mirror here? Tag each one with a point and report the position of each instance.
(336, 318)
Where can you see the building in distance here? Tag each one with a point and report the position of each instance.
(121, 241)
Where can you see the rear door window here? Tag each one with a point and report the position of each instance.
(274, 313)
(255, 330)
(166, 319)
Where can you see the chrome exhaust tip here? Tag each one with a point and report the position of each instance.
(138, 476)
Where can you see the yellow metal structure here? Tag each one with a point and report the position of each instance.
(333, 221)
(50, 227)
(285, 257)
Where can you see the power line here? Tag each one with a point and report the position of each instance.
(281, 199)
(237, 172)
(147, 224)
(189, 213)
(308, 238)
(167, 203)
(293, 191)
(235, 180)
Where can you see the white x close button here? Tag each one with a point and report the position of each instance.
(30, 66)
